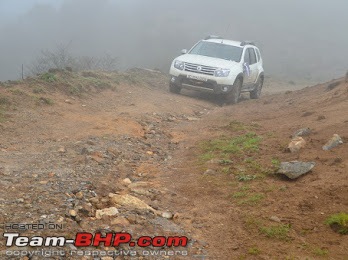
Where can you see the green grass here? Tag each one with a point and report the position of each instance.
(225, 162)
(38, 90)
(338, 222)
(275, 163)
(45, 101)
(2, 116)
(245, 177)
(236, 126)
(239, 194)
(280, 232)
(320, 252)
(4, 101)
(223, 147)
(18, 92)
(48, 77)
(254, 251)
(252, 200)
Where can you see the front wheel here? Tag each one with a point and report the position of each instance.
(233, 96)
(174, 88)
(256, 93)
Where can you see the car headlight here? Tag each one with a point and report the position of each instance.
(179, 65)
(222, 72)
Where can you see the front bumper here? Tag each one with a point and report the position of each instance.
(205, 86)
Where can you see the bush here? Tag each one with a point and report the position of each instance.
(339, 223)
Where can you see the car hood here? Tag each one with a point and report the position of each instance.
(207, 61)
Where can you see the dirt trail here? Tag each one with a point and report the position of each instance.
(61, 155)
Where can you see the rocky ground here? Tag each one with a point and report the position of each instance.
(98, 152)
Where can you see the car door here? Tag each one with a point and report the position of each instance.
(250, 68)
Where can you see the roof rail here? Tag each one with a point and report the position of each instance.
(212, 37)
(243, 43)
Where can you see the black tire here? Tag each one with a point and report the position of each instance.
(256, 93)
(174, 88)
(233, 96)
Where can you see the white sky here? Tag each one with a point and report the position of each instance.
(10, 9)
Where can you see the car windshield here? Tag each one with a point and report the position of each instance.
(218, 50)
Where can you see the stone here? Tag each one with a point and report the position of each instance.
(127, 181)
(142, 192)
(68, 101)
(79, 195)
(333, 142)
(114, 152)
(61, 150)
(112, 211)
(130, 201)
(296, 144)
(120, 221)
(275, 219)
(302, 132)
(167, 215)
(91, 142)
(295, 169)
(139, 184)
(72, 213)
(209, 172)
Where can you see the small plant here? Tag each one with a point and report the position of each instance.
(276, 163)
(252, 200)
(225, 162)
(48, 77)
(254, 251)
(38, 90)
(4, 101)
(243, 177)
(279, 231)
(339, 223)
(2, 116)
(45, 101)
(17, 92)
(239, 194)
(320, 252)
(226, 170)
(236, 126)
(283, 188)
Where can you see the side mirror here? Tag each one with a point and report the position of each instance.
(184, 51)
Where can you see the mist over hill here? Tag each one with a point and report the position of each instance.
(298, 39)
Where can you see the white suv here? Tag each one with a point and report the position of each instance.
(219, 66)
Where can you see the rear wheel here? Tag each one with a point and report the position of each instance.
(174, 88)
(256, 93)
(233, 96)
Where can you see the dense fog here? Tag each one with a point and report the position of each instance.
(298, 39)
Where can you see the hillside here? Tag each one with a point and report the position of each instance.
(74, 144)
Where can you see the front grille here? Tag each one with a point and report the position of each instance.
(198, 83)
(206, 70)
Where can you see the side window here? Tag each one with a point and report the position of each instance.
(252, 56)
(258, 55)
(247, 56)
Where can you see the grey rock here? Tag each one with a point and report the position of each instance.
(333, 142)
(302, 132)
(295, 169)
